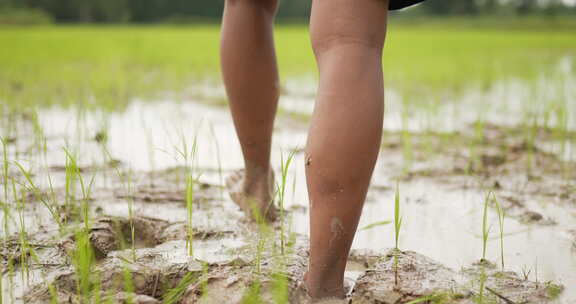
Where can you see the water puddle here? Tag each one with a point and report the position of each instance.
(442, 206)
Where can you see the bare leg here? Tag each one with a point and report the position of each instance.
(251, 79)
(344, 139)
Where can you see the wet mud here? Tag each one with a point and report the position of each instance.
(232, 261)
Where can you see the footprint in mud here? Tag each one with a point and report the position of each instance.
(108, 234)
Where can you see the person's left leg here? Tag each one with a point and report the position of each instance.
(251, 79)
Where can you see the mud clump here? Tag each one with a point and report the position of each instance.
(150, 275)
(268, 280)
(420, 278)
(417, 276)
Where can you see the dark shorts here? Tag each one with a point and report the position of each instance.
(398, 4)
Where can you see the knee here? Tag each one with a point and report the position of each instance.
(267, 5)
(323, 41)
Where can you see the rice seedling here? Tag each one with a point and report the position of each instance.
(526, 272)
(501, 216)
(553, 290)
(204, 282)
(376, 224)
(128, 281)
(131, 214)
(397, 226)
(86, 189)
(280, 287)
(97, 293)
(397, 216)
(485, 227)
(252, 294)
(38, 195)
(6, 220)
(70, 169)
(189, 214)
(23, 237)
(483, 277)
(189, 157)
(5, 167)
(175, 294)
(281, 191)
(83, 260)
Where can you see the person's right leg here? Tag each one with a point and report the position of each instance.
(345, 133)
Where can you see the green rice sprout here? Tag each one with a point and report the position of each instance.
(6, 220)
(5, 167)
(397, 226)
(188, 154)
(128, 282)
(71, 170)
(397, 216)
(174, 295)
(501, 216)
(280, 287)
(38, 194)
(204, 282)
(480, 298)
(131, 214)
(252, 294)
(190, 183)
(5, 202)
(376, 224)
(281, 190)
(189, 213)
(86, 189)
(83, 260)
(23, 236)
(485, 227)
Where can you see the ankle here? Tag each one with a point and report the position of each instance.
(257, 174)
(322, 288)
(257, 168)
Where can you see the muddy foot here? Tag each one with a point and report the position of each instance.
(254, 197)
(304, 296)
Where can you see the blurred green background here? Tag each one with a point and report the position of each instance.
(107, 52)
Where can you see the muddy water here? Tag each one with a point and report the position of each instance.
(441, 206)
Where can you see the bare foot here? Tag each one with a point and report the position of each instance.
(322, 291)
(254, 196)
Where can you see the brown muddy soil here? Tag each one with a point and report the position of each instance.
(160, 262)
(235, 261)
